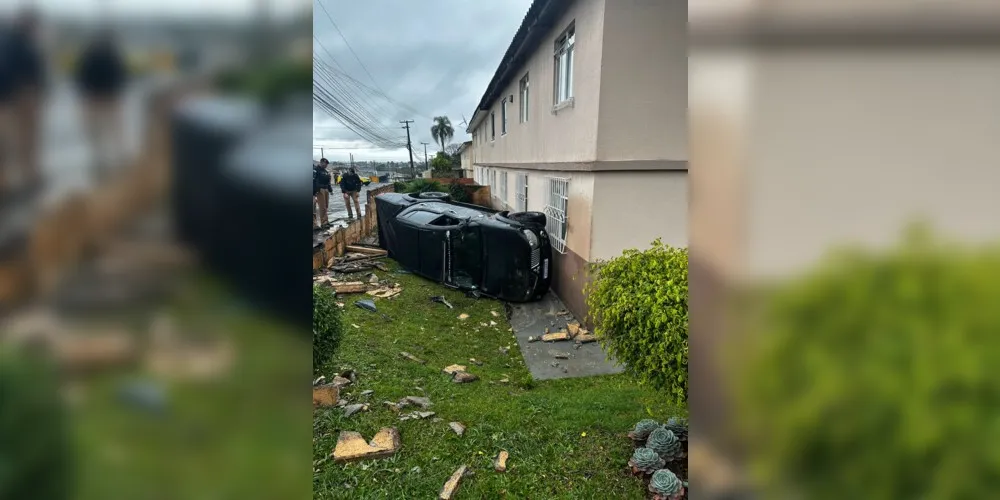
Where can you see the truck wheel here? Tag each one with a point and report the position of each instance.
(434, 195)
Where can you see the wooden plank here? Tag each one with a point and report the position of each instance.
(366, 250)
(349, 287)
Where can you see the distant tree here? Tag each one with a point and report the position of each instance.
(441, 165)
(452, 149)
(442, 131)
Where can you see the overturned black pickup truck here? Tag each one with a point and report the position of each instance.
(497, 254)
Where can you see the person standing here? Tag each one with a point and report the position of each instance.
(350, 185)
(26, 69)
(321, 193)
(101, 77)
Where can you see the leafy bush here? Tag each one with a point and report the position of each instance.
(328, 326)
(269, 83)
(35, 452)
(425, 185)
(875, 376)
(441, 164)
(638, 303)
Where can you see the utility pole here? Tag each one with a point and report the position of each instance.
(321, 153)
(352, 159)
(425, 154)
(409, 146)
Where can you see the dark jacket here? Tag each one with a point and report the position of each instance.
(102, 71)
(23, 61)
(321, 179)
(350, 183)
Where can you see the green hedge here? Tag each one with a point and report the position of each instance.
(35, 450)
(877, 375)
(328, 326)
(638, 304)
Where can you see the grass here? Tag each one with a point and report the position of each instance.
(566, 438)
(244, 436)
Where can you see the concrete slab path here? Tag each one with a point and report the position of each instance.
(531, 320)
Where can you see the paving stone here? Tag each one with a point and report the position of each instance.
(451, 486)
(326, 395)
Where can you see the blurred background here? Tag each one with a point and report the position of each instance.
(152, 344)
(844, 270)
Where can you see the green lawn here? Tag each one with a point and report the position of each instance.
(566, 438)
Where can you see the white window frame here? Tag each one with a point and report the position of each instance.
(521, 193)
(493, 126)
(563, 62)
(524, 93)
(503, 116)
(555, 213)
(503, 188)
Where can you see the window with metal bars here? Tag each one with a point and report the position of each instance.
(555, 212)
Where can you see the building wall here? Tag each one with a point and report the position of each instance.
(631, 209)
(644, 81)
(569, 135)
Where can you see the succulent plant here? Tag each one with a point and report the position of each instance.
(643, 428)
(666, 485)
(679, 427)
(665, 443)
(646, 461)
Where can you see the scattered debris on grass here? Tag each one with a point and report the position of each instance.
(340, 305)
(354, 408)
(420, 401)
(412, 358)
(355, 326)
(505, 380)
(500, 462)
(366, 250)
(451, 486)
(326, 395)
(475, 362)
(352, 446)
(463, 377)
(368, 392)
(367, 305)
(348, 287)
(319, 380)
(505, 350)
(463, 316)
(495, 314)
(373, 279)
(473, 294)
(416, 415)
(586, 338)
(386, 292)
(441, 300)
(452, 369)
(341, 381)
(457, 427)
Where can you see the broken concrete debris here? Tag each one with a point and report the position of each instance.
(558, 354)
(355, 408)
(463, 377)
(341, 381)
(452, 369)
(368, 392)
(500, 462)
(451, 486)
(326, 395)
(573, 328)
(412, 357)
(441, 300)
(586, 338)
(352, 446)
(463, 316)
(457, 427)
(373, 279)
(555, 337)
(534, 339)
(495, 314)
(367, 305)
(416, 415)
(386, 292)
(420, 401)
(475, 362)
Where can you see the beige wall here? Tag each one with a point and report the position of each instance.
(631, 209)
(644, 81)
(848, 147)
(570, 135)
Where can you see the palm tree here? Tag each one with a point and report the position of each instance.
(441, 131)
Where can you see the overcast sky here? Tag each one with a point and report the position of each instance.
(173, 8)
(435, 56)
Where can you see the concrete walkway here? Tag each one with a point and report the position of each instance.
(531, 320)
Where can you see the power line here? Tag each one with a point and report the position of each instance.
(328, 16)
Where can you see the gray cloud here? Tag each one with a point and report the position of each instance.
(434, 56)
